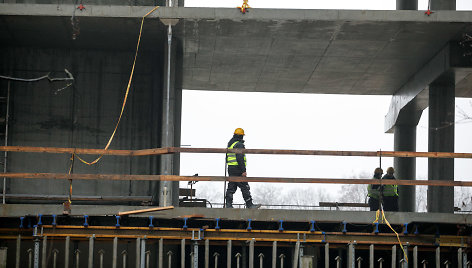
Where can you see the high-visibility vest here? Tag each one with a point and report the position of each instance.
(231, 157)
(374, 193)
(390, 190)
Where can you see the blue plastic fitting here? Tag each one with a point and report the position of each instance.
(150, 222)
(324, 237)
(117, 225)
(344, 228)
(54, 220)
(249, 228)
(405, 232)
(416, 230)
(376, 231)
(185, 223)
(21, 222)
(312, 229)
(39, 220)
(281, 228)
(86, 221)
(217, 227)
(202, 231)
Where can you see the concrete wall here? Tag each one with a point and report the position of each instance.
(83, 116)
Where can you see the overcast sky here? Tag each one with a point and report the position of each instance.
(302, 121)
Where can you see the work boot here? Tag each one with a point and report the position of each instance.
(229, 202)
(249, 204)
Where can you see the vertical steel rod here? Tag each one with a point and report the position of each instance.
(115, 252)
(229, 252)
(295, 254)
(405, 256)
(90, 255)
(143, 252)
(54, 260)
(138, 252)
(182, 253)
(77, 258)
(459, 258)
(123, 254)
(18, 249)
(44, 252)
(394, 256)
(148, 256)
(36, 253)
(161, 254)
(100, 253)
(351, 263)
(251, 253)
(7, 115)
(207, 253)
(66, 252)
(30, 257)
(438, 257)
(415, 257)
(371, 256)
(327, 255)
(195, 255)
(274, 254)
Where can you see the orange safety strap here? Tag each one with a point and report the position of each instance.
(126, 94)
(377, 217)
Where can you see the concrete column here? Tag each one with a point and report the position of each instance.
(441, 139)
(407, 4)
(405, 167)
(172, 102)
(443, 5)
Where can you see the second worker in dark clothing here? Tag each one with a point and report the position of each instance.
(390, 192)
(237, 167)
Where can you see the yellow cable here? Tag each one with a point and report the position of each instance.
(126, 94)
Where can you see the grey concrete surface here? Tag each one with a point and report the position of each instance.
(361, 217)
(405, 168)
(441, 139)
(274, 50)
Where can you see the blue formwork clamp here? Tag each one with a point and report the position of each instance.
(417, 231)
(249, 228)
(86, 221)
(150, 222)
(117, 225)
(185, 223)
(202, 233)
(312, 229)
(39, 220)
(21, 222)
(376, 231)
(281, 228)
(54, 223)
(344, 228)
(217, 227)
(405, 231)
(324, 237)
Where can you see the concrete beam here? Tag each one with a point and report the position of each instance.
(403, 99)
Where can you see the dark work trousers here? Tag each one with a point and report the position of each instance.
(233, 187)
(373, 204)
(390, 203)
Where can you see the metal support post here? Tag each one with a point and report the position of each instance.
(44, 252)
(282, 257)
(169, 255)
(237, 256)
(459, 258)
(327, 255)
(296, 254)
(405, 256)
(30, 257)
(148, 256)
(161, 253)
(394, 256)
(415, 257)
(371, 256)
(115, 252)
(7, 116)
(100, 254)
(207, 253)
(438, 257)
(124, 254)
(90, 255)
(3, 257)
(18, 249)
(195, 254)
(182, 253)
(66, 252)
(251, 253)
(36, 248)
(143, 252)
(261, 260)
(77, 258)
(54, 258)
(229, 252)
(138, 252)
(351, 262)
(274, 254)
(215, 255)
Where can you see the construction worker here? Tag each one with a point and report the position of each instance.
(390, 192)
(374, 191)
(237, 167)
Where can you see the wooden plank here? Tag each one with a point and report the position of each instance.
(65, 176)
(144, 210)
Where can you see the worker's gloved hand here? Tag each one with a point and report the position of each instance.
(244, 174)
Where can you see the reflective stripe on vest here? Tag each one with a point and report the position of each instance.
(390, 190)
(231, 157)
(374, 193)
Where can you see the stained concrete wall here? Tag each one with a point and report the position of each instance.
(83, 116)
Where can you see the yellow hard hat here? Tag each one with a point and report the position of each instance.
(239, 131)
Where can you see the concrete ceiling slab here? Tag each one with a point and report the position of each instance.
(267, 50)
